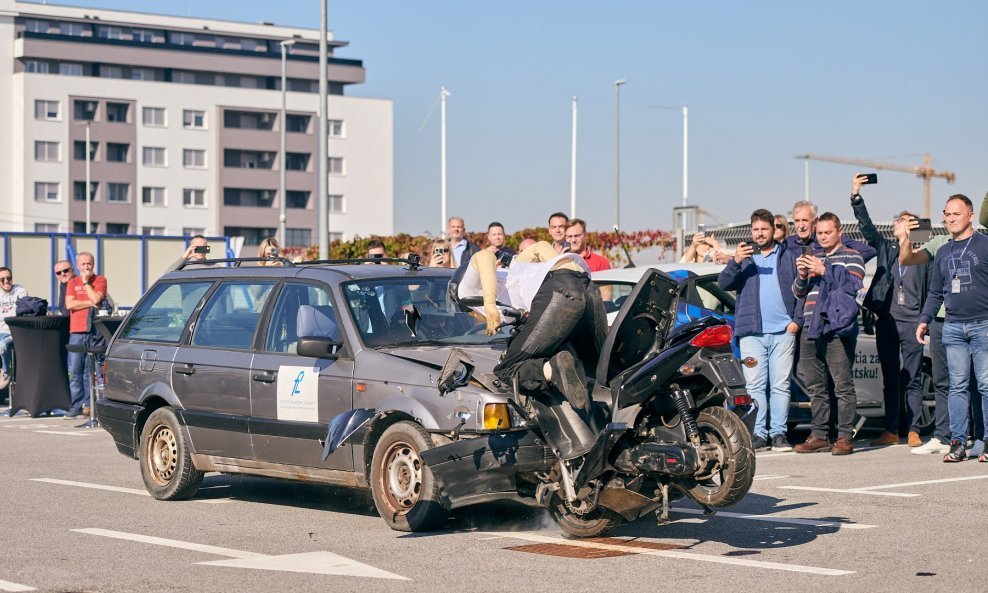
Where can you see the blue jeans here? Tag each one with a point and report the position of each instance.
(965, 343)
(80, 372)
(6, 343)
(774, 354)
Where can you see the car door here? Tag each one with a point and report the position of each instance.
(293, 398)
(210, 375)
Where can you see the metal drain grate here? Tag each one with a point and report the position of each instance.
(584, 552)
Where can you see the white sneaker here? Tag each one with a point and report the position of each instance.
(976, 450)
(934, 445)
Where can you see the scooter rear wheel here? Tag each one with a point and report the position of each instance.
(729, 482)
(594, 523)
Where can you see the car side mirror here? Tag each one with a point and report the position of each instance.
(318, 347)
(457, 371)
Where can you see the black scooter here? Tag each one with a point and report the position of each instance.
(670, 418)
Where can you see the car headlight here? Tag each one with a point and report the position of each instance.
(496, 416)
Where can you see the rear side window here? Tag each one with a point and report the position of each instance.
(230, 318)
(162, 316)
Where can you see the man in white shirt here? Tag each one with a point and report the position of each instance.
(9, 293)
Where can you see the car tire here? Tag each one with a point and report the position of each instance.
(166, 464)
(405, 492)
(927, 418)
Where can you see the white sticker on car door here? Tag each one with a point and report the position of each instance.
(298, 393)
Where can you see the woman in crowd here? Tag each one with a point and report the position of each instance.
(703, 249)
(269, 248)
(781, 229)
(440, 256)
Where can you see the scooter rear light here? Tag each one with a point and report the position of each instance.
(742, 400)
(713, 337)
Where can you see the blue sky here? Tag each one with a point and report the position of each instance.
(764, 81)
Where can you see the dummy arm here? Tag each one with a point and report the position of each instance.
(485, 263)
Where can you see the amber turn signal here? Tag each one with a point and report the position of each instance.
(749, 361)
(496, 416)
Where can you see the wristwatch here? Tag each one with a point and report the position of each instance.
(856, 198)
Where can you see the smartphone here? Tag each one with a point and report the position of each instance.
(922, 233)
(870, 179)
(565, 247)
(377, 256)
(505, 260)
(201, 249)
(701, 228)
(807, 250)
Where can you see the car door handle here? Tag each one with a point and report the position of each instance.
(185, 370)
(265, 377)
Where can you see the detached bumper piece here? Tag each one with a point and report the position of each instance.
(659, 458)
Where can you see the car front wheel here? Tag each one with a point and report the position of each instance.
(405, 493)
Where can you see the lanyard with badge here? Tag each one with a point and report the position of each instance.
(955, 282)
(902, 274)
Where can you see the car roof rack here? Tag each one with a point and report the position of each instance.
(414, 261)
(236, 261)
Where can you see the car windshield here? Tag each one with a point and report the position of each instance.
(379, 308)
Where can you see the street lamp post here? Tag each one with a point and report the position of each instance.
(617, 151)
(572, 171)
(283, 196)
(323, 187)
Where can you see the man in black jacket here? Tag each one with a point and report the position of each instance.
(896, 296)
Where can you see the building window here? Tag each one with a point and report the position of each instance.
(257, 198)
(335, 127)
(183, 76)
(79, 191)
(36, 66)
(117, 112)
(46, 227)
(192, 231)
(117, 228)
(46, 152)
(109, 32)
(70, 69)
(72, 29)
(154, 231)
(80, 227)
(46, 191)
(298, 237)
(143, 74)
(110, 71)
(247, 159)
(248, 120)
(153, 196)
(194, 198)
(335, 204)
(181, 38)
(154, 117)
(117, 153)
(193, 158)
(79, 150)
(83, 110)
(155, 156)
(142, 35)
(336, 165)
(36, 26)
(297, 124)
(193, 120)
(251, 235)
(46, 110)
(297, 161)
(118, 192)
(297, 199)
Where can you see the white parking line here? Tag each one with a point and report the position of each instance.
(769, 477)
(534, 537)
(65, 432)
(116, 489)
(772, 519)
(921, 483)
(8, 586)
(767, 455)
(848, 491)
(172, 543)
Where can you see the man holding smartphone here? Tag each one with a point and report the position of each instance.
(763, 275)
(896, 296)
(827, 281)
(196, 252)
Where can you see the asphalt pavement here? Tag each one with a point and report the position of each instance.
(77, 518)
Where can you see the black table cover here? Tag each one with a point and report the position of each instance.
(41, 369)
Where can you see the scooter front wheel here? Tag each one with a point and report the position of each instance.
(731, 478)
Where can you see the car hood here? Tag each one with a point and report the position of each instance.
(484, 358)
(641, 326)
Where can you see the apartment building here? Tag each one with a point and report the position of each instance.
(184, 118)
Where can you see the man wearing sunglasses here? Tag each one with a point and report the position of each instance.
(63, 272)
(9, 293)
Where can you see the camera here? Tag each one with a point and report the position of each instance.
(503, 258)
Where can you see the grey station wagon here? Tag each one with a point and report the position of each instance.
(239, 368)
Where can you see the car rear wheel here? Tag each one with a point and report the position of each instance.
(166, 464)
(405, 492)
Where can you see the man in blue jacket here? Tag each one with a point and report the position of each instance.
(896, 296)
(762, 274)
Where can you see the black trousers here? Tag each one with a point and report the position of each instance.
(567, 313)
(835, 356)
(895, 340)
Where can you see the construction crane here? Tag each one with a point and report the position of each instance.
(925, 171)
